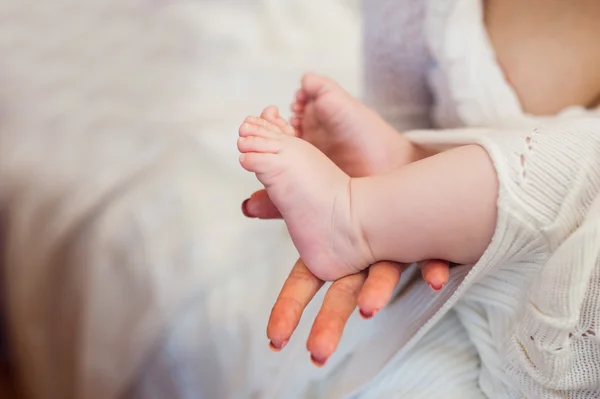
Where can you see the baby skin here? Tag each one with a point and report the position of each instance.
(349, 133)
(353, 136)
(313, 196)
(341, 225)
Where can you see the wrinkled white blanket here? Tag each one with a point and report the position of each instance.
(93, 95)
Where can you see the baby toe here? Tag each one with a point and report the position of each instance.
(271, 114)
(258, 144)
(250, 129)
(259, 163)
(297, 108)
(301, 96)
(262, 122)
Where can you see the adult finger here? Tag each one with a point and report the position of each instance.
(436, 273)
(259, 206)
(298, 290)
(377, 291)
(338, 305)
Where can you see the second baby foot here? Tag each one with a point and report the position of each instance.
(355, 137)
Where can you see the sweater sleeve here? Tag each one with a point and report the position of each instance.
(548, 238)
(548, 175)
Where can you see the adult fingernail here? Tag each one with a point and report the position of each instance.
(277, 348)
(245, 209)
(367, 315)
(319, 362)
(437, 287)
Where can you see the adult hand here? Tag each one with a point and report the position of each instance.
(370, 290)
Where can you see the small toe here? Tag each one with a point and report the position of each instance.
(258, 162)
(271, 114)
(295, 122)
(259, 121)
(301, 97)
(297, 108)
(313, 84)
(248, 129)
(286, 127)
(259, 144)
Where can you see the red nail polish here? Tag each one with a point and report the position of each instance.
(368, 315)
(317, 362)
(365, 315)
(245, 209)
(437, 287)
(276, 348)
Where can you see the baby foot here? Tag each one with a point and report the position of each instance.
(352, 135)
(312, 194)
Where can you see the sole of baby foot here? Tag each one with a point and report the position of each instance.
(313, 196)
(355, 137)
(321, 103)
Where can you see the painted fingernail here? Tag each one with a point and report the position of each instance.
(276, 348)
(365, 315)
(318, 362)
(245, 209)
(437, 287)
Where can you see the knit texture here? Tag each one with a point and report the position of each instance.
(106, 191)
(531, 304)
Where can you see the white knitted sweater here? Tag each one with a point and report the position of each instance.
(531, 305)
(104, 201)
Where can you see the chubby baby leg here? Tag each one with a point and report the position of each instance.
(312, 194)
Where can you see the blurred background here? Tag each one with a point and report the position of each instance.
(253, 54)
(255, 51)
(248, 54)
